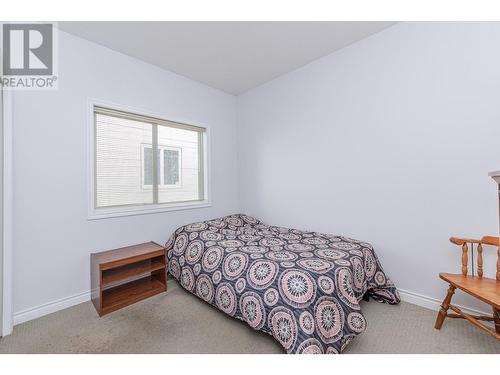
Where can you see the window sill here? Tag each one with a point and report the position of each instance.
(105, 213)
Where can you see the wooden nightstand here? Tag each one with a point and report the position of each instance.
(124, 276)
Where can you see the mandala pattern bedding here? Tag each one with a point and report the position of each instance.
(303, 288)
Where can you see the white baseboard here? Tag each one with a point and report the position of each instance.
(50, 307)
(64, 303)
(433, 303)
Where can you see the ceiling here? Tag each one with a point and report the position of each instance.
(231, 56)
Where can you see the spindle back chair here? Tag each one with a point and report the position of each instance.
(482, 288)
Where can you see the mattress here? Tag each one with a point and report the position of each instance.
(303, 288)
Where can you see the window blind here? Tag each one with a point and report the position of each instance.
(141, 160)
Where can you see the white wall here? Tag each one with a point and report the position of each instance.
(52, 236)
(388, 140)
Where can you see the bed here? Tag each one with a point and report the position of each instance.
(303, 288)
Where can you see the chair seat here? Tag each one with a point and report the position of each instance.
(486, 289)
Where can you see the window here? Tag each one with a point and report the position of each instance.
(171, 166)
(144, 163)
(168, 166)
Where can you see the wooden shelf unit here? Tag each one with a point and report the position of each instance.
(124, 276)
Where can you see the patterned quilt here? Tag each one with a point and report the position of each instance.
(301, 287)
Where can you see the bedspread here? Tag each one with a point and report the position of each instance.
(301, 287)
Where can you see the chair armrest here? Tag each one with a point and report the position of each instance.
(490, 240)
(486, 240)
(461, 241)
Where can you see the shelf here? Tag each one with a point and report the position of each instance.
(126, 294)
(130, 254)
(121, 277)
(114, 275)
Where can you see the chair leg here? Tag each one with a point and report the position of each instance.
(444, 307)
(496, 319)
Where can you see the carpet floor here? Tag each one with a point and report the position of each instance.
(178, 322)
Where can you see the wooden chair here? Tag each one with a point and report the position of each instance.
(483, 288)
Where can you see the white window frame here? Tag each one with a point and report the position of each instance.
(161, 177)
(95, 213)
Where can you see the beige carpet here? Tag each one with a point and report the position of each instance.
(178, 322)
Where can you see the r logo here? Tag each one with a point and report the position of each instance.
(28, 49)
